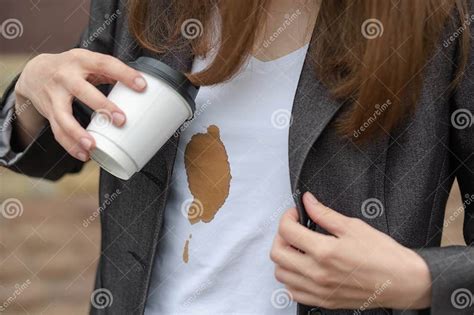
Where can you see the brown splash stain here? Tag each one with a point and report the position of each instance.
(186, 249)
(208, 172)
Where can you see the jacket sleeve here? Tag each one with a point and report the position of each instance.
(44, 157)
(452, 267)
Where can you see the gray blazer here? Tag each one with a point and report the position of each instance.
(410, 171)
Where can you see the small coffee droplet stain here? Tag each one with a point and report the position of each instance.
(186, 252)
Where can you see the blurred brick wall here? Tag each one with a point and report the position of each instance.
(46, 249)
(48, 25)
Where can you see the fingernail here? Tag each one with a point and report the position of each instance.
(86, 143)
(82, 156)
(140, 83)
(312, 198)
(119, 118)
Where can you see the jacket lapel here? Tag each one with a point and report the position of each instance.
(313, 109)
(141, 215)
(181, 61)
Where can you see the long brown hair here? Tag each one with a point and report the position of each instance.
(368, 52)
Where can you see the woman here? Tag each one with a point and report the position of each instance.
(368, 154)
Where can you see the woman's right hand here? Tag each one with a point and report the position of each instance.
(49, 83)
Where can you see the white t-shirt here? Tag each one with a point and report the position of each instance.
(229, 188)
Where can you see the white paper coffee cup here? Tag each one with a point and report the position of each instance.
(153, 116)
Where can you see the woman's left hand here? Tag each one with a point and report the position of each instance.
(357, 267)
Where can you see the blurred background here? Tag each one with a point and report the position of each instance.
(47, 256)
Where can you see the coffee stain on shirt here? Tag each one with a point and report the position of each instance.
(208, 171)
(186, 250)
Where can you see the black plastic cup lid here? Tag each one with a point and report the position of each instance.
(175, 79)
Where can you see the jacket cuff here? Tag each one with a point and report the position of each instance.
(7, 116)
(452, 279)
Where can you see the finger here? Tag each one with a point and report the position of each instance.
(296, 280)
(304, 297)
(98, 79)
(290, 258)
(68, 142)
(115, 69)
(330, 220)
(330, 299)
(92, 97)
(299, 236)
(293, 214)
(279, 241)
(71, 127)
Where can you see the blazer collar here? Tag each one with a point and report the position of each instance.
(313, 109)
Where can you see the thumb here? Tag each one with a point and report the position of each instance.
(330, 220)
